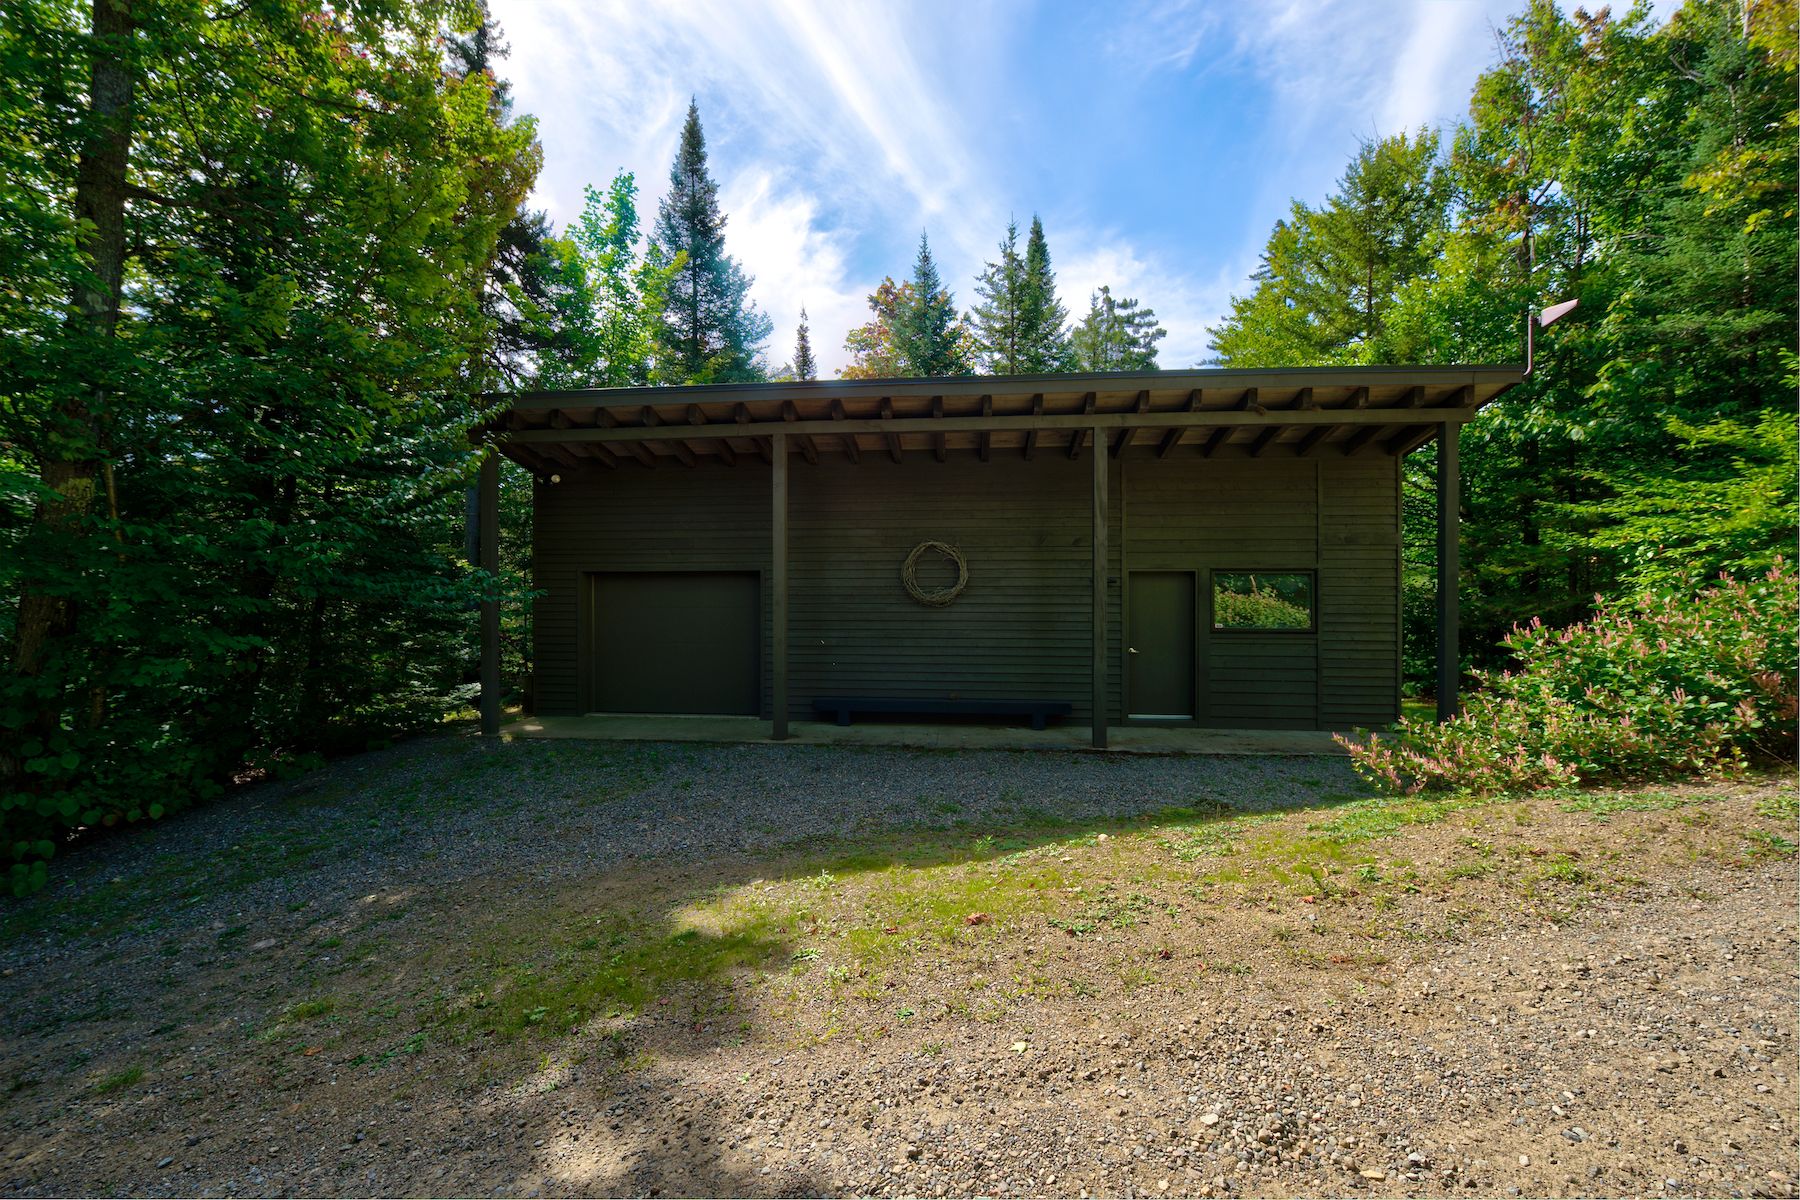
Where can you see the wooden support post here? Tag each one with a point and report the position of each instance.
(1449, 520)
(778, 620)
(487, 519)
(1100, 589)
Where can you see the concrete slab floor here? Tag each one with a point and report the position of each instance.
(1124, 739)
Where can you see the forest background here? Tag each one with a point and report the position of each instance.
(263, 266)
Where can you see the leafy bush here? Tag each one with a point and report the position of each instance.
(1674, 683)
(1244, 602)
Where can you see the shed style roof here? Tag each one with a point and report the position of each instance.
(1206, 413)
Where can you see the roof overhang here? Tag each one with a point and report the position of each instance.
(1210, 413)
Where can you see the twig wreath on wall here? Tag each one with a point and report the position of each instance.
(938, 597)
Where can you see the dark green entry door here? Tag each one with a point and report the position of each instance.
(676, 643)
(1160, 646)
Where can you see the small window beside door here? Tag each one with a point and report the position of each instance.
(1263, 601)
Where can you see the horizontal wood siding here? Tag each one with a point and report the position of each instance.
(1022, 629)
(669, 519)
(1359, 571)
(1204, 515)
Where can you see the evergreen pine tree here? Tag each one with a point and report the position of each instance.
(710, 331)
(1043, 343)
(995, 317)
(804, 365)
(928, 336)
(1118, 334)
(513, 273)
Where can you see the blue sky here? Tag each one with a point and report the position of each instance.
(1159, 140)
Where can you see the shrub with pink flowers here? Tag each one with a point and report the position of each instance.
(1675, 683)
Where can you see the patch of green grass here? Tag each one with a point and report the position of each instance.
(309, 1010)
(118, 1081)
(1771, 843)
(1418, 708)
(557, 983)
(1781, 805)
(1603, 804)
(1562, 868)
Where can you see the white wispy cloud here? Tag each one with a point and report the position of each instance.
(1186, 302)
(775, 231)
(834, 134)
(839, 130)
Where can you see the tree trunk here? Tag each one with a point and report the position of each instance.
(67, 460)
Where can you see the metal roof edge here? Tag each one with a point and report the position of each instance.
(1504, 375)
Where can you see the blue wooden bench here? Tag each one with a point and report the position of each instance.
(840, 708)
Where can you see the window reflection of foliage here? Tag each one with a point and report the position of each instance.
(1253, 601)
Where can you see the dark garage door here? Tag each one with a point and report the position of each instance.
(676, 643)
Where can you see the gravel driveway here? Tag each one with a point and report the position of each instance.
(554, 809)
(226, 1003)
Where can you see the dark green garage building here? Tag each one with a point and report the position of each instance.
(1210, 548)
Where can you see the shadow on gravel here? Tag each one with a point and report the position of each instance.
(521, 932)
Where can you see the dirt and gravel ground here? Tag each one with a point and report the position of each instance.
(546, 969)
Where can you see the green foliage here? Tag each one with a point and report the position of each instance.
(1043, 342)
(1725, 502)
(1116, 335)
(590, 300)
(1678, 682)
(929, 340)
(1330, 276)
(873, 351)
(995, 318)
(1018, 324)
(710, 331)
(278, 425)
(876, 350)
(1270, 602)
(805, 366)
(1646, 171)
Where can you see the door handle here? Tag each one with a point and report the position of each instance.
(1132, 649)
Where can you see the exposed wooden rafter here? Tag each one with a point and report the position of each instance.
(1409, 439)
(1125, 435)
(1031, 435)
(606, 420)
(1313, 437)
(679, 448)
(938, 441)
(1084, 422)
(589, 450)
(1173, 436)
(851, 449)
(1361, 438)
(1079, 434)
(808, 450)
(985, 439)
(721, 448)
(893, 439)
(740, 414)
